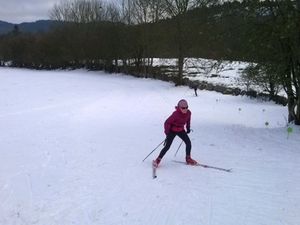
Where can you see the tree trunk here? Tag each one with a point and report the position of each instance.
(297, 112)
(180, 59)
(180, 62)
(291, 107)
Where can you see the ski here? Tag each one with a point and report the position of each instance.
(206, 166)
(154, 170)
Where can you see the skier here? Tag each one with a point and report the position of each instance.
(174, 125)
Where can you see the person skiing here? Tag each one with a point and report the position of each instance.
(174, 126)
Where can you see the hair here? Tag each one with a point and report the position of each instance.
(182, 103)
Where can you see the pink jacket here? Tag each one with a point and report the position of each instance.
(177, 120)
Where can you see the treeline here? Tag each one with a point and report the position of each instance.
(127, 37)
(103, 41)
(215, 31)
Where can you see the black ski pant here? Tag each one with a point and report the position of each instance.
(170, 137)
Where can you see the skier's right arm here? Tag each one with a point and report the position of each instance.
(168, 124)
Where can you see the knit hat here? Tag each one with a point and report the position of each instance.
(182, 103)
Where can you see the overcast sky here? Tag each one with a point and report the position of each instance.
(18, 11)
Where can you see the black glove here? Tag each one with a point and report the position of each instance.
(188, 130)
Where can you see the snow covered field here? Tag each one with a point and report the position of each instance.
(72, 145)
(212, 71)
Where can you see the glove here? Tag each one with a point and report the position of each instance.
(188, 130)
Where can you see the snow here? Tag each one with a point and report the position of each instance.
(72, 145)
(212, 71)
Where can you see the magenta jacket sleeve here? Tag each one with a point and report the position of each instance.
(188, 123)
(168, 123)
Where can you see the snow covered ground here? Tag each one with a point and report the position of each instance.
(212, 71)
(72, 145)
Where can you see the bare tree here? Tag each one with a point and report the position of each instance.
(157, 10)
(147, 11)
(176, 9)
(112, 13)
(79, 11)
(126, 11)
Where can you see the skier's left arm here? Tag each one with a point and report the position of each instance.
(188, 123)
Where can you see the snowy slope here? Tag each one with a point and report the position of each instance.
(72, 144)
(212, 71)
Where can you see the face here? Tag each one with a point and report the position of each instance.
(184, 109)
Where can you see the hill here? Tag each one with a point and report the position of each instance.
(72, 145)
(29, 27)
(5, 27)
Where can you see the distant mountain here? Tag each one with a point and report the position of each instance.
(5, 27)
(31, 27)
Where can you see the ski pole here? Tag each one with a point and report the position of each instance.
(178, 148)
(153, 150)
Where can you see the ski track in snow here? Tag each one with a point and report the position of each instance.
(72, 143)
